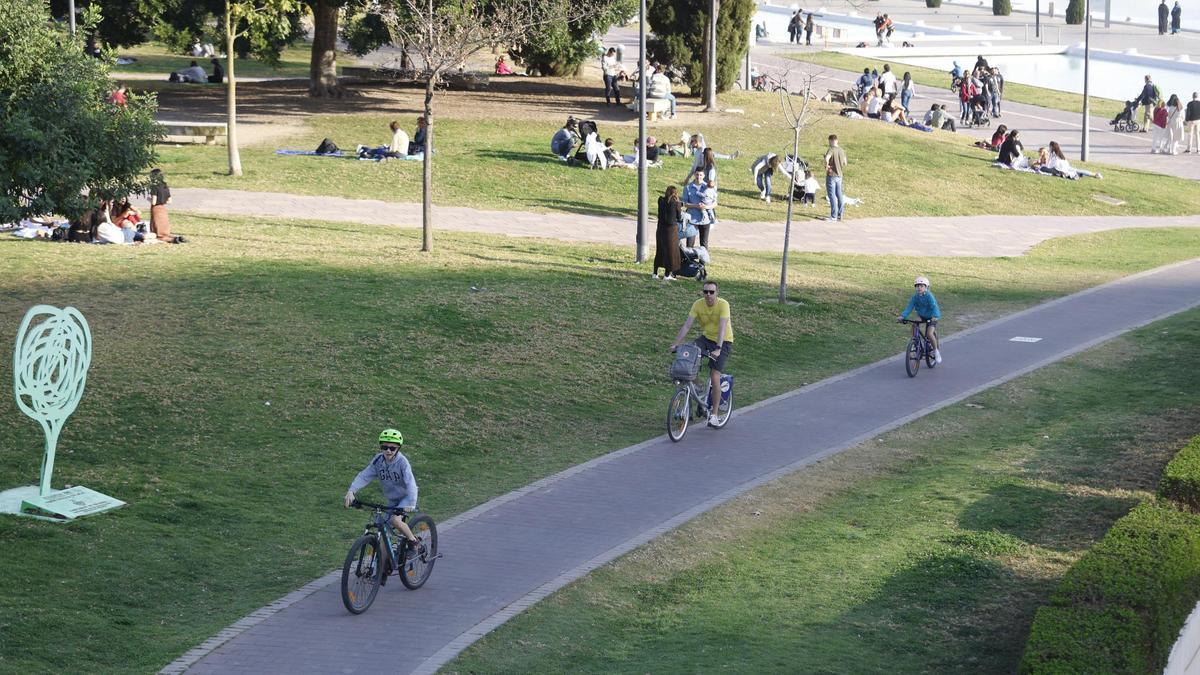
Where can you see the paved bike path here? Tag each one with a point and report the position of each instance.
(509, 553)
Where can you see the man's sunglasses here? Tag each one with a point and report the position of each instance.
(709, 292)
(389, 448)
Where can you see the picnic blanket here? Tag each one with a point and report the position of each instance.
(347, 155)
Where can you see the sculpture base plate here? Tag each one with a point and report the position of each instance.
(59, 505)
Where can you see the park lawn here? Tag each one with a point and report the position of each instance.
(938, 79)
(154, 59)
(499, 164)
(238, 382)
(926, 550)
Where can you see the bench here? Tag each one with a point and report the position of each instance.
(655, 107)
(194, 132)
(464, 80)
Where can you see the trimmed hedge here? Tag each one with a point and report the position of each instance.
(1181, 479)
(1120, 607)
(1001, 7)
(933, 3)
(1075, 12)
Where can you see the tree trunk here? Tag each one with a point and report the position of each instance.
(322, 69)
(427, 172)
(714, 9)
(235, 158)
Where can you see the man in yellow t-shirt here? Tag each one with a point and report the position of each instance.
(716, 328)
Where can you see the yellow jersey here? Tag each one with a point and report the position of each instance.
(710, 318)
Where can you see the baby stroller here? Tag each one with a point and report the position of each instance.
(692, 261)
(1124, 119)
(979, 111)
(591, 137)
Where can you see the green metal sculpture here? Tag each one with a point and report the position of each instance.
(50, 365)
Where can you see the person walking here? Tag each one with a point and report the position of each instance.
(666, 237)
(1174, 125)
(1158, 140)
(907, 89)
(794, 28)
(1176, 17)
(1147, 99)
(1163, 13)
(808, 29)
(610, 66)
(1192, 124)
(835, 165)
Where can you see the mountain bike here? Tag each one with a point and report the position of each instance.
(679, 411)
(919, 347)
(379, 553)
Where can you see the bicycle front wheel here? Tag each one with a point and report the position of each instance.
(912, 358)
(930, 359)
(418, 564)
(361, 574)
(724, 410)
(678, 414)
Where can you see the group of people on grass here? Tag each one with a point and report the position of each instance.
(1175, 127)
(195, 74)
(400, 147)
(112, 221)
(980, 91)
(1050, 160)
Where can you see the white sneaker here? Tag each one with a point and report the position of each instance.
(937, 356)
(713, 420)
(768, 199)
(669, 277)
(654, 275)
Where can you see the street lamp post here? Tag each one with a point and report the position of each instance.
(642, 247)
(71, 15)
(1087, 46)
(1037, 19)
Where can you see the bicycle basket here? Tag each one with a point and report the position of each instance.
(686, 364)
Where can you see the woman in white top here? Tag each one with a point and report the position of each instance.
(611, 66)
(1174, 124)
(872, 105)
(1058, 162)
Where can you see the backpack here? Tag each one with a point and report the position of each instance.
(686, 364)
(328, 147)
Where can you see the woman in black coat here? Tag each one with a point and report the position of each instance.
(666, 239)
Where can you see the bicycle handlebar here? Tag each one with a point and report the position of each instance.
(381, 507)
(907, 321)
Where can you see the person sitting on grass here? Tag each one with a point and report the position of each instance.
(938, 118)
(502, 66)
(417, 145)
(1056, 163)
(1012, 153)
(926, 305)
(892, 112)
(397, 149)
(565, 139)
(218, 74)
(193, 74)
(997, 140)
(127, 218)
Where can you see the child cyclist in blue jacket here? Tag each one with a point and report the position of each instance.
(927, 308)
(395, 478)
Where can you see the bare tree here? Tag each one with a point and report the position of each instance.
(797, 120)
(440, 36)
(261, 22)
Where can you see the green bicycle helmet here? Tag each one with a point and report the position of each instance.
(391, 436)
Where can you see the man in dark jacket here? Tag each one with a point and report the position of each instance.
(1176, 17)
(1163, 12)
(1191, 133)
(1146, 99)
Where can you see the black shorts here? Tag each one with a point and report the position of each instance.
(709, 345)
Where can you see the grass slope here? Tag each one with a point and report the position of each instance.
(1013, 91)
(496, 164)
(238, 382)
(924, 551)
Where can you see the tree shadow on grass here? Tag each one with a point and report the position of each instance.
(1051, 519)
(580, 208)
(512, 155)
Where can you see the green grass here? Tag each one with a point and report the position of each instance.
(494, 164)
(486, 354)
(926, 550)
(938, 79)
(154, 59)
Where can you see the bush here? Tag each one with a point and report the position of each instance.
(1181, 479)
(933, 3)
(679, 27)
(1075, 12)
(1120, 607)
(1001, 7)
(562, 48)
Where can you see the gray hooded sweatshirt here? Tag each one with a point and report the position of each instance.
(396, 479)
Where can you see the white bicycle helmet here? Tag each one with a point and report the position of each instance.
(921, 281)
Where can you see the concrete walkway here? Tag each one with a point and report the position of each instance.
(504, 556)
(958, 236)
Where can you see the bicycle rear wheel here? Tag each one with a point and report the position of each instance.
(678, 414)
(361, 574)
(724, 410)
(418, 565)
(912, 358)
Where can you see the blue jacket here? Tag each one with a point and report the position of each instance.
(396, 479)
(926, 306)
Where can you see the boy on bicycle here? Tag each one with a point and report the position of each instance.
(395, 478)
(927, 308)
(716, 338)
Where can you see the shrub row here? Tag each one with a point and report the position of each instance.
(1119, 609)
(1181, 479)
